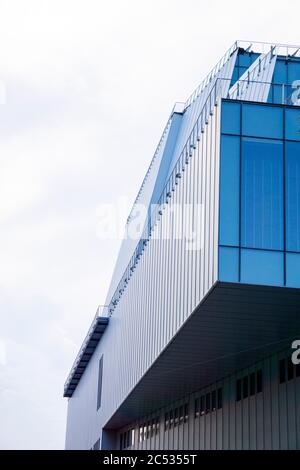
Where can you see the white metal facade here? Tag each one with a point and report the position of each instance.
(149, 314)
(167, 281)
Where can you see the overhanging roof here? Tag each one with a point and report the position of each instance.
(234, 327)
(87, 349)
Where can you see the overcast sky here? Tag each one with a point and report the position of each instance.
(89, 87)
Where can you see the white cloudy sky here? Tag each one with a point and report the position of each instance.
(89, 86)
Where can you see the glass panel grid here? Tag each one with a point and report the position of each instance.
(273, 165)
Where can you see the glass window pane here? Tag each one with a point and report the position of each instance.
(214, 400)
(230, 118)
(293, 270)
(290, 369)
(252, 384)
(259, 381)
(235, 75)
(280, 72)
(262, 121)
(228, 264)
(207, 401)
(229, 190)
(282, 371)
(293, 71)
(262, 267)
(262, 194)
(244, 59)
(278, 94)
(238, 390)
(202, 405)
(220, 398)
(293, 196)
(245, 387)
(292, 124)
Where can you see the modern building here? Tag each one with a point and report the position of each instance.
(193, 348)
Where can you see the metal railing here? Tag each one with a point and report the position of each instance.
(212, 74)
(284, 50)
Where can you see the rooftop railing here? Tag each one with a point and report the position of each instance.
(285, 50)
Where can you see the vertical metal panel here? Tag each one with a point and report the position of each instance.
(150, 310)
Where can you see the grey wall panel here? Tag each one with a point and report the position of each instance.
(262, 421)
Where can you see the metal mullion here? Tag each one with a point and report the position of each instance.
(184, 217)
(170, 293)
(194, 252)
(203, 260)
(212, 198)
(165, 274)
(217, 191)
(190, 251)
(199, 210)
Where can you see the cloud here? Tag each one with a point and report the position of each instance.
(89, 89)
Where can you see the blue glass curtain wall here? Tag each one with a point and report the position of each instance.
(259, 228)
(243, 62)
(287, 70)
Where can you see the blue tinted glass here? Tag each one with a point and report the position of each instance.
(228, 264)
(244, 59)
(262, 121)
(275, 94)
(293, 196)
(242, 70)
(278, 94)
(293, 71)
(235, 75)
(262, 194)
(292, 124)
(291, 94)
(230, 118)
(254, 56)
(229, 190)
(280, 72)
(262, 267)
(292, 270)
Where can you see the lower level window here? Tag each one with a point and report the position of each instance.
(127, 439)
(249, 385)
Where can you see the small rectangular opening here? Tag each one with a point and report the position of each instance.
(282, 371)
(238, 390)
(207, 402)
(245, 387)
(202, 405)
(100, 374)
(214, 400)
(220, 398)
(290, 369)
(259, 381)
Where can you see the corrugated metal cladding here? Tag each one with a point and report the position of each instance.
(168, 283)
(144, 196)
(266, 416)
